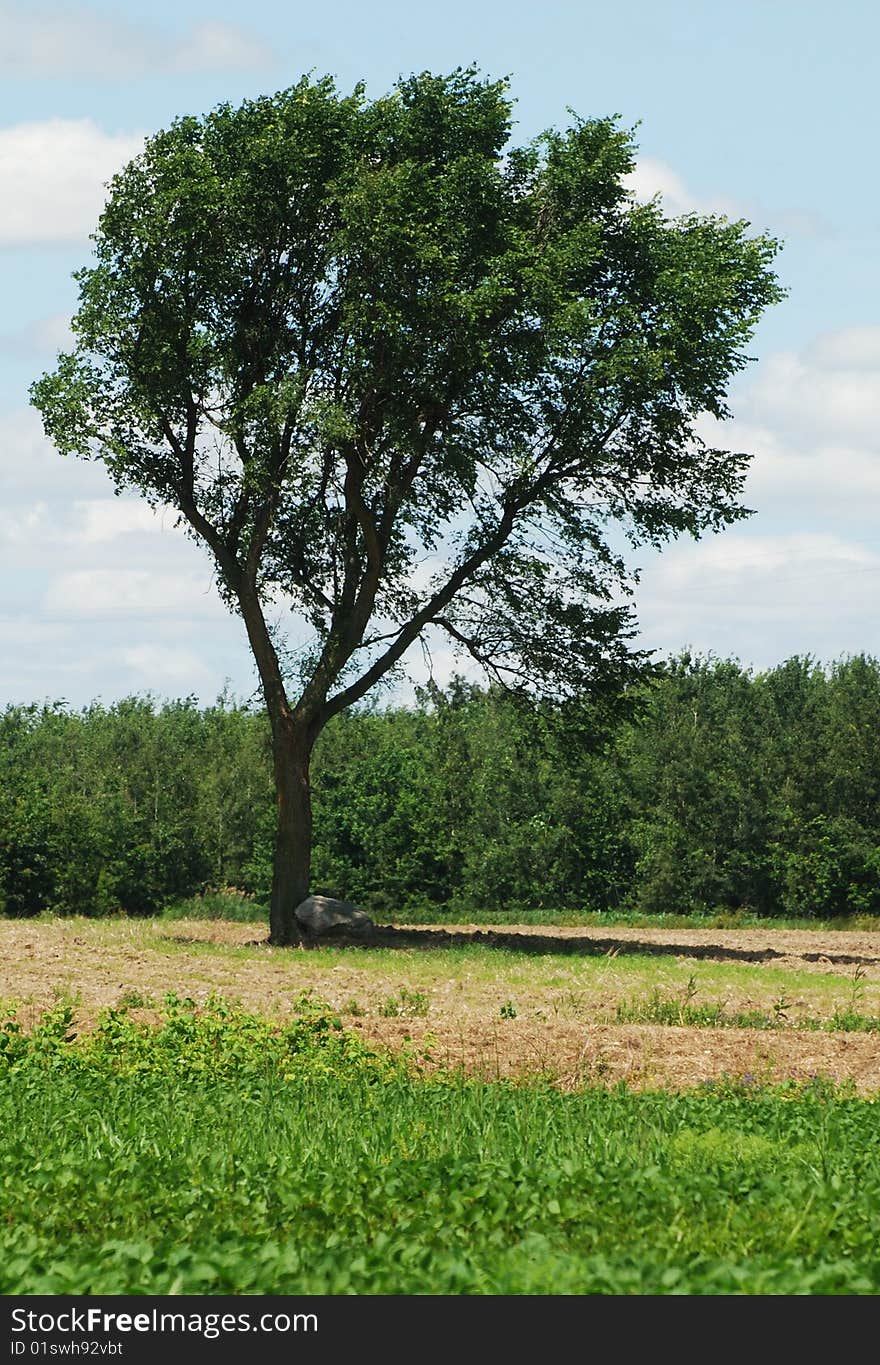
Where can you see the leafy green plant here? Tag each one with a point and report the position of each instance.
(181, 1159)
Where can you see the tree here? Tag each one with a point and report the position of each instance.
(400, 376)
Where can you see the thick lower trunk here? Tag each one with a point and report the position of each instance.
(293, 835)
(293, 736)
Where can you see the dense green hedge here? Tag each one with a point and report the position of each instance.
(726, 789)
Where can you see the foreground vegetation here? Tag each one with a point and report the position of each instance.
(715, 791)
(218, 1154)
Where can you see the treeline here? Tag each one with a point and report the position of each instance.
(724, 789)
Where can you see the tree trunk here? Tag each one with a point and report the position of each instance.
(293, 836)
(293, 738)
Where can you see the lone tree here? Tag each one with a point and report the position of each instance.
(399, 376)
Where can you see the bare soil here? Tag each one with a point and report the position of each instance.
(556, 1020)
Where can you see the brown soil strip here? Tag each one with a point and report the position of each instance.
(99, 963)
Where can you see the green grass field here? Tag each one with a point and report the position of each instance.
(221, 1154)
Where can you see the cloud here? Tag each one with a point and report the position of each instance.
(54, 660)
(850, 348)
(220, 47)
(103, 519)
(802, 575)
(133, 593)
(43, 528)
(22, 525)
(31, 468)
(53, 178)
(157, 666)
(817, 403)
(44, 337)
(652, 176)
(729, 561)
(100, 595)
(103, 596)
(794, 479)
(762, 598)
(79, 41)
(811, 420)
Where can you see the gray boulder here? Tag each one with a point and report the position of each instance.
(323, 916)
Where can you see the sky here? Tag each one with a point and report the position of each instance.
(764, 110)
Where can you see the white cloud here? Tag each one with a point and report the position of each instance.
(53, 178)
(158, 666)
(802, 575)
(817, 403)
(440, 662)
(21, 525)
(133, 593)
(761, 598)
(31, 468)
(111, 598)
(55, 40)
(23, 638)
(40, 536)
(99, 595)
(811, 419)
(729, 561)
(828, 482)
(219, 47)
(103, 519)
(652, 176)
(46, 335)
(850, 348)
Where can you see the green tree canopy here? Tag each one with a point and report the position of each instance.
(401, 375)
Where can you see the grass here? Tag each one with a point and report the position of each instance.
(407, 1003)
(217, 1153)
(659, 1009)
(231, 904)
(681, 1009)
(148, 957)
(227, 903)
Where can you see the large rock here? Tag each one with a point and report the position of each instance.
(322, 915)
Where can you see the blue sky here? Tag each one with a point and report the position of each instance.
(760, 110)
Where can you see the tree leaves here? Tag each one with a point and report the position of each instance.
(338, 333)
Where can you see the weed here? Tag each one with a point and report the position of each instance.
(509, 1010)
(135, 1000)
(406, 1003)
(660, 1009)
(571, 1004)
(851, 1020)
(222, 903)
(857, 987)
(67, 995)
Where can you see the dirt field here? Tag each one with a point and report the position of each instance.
(528, 1000)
